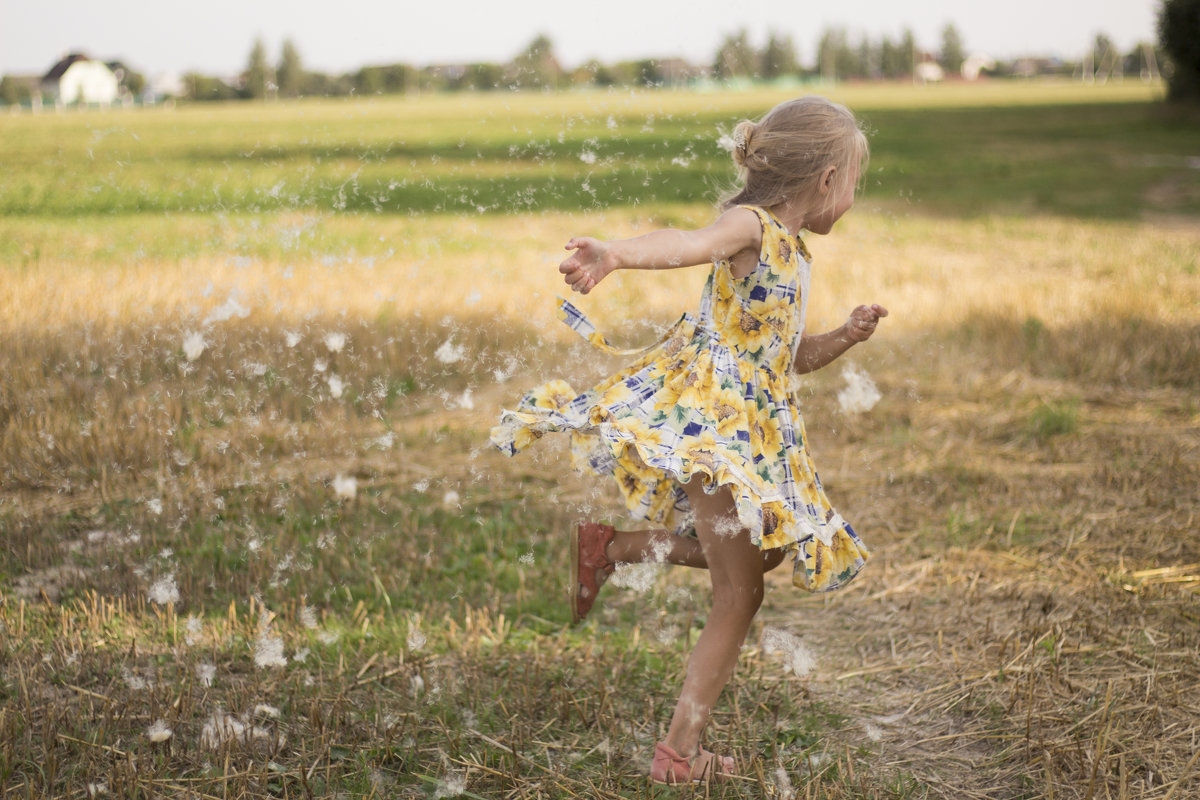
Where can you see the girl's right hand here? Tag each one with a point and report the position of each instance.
(863, 321)
(588, 265)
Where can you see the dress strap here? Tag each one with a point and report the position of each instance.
(574, 319)
(767, 219)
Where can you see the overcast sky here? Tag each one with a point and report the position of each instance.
(215, 36)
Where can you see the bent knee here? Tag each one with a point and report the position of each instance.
(742, 599)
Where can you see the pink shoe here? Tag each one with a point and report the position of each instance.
(590, 566)
(671, 768)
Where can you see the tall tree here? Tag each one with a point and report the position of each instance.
(868, 58)
(12, 92)
(848, 59)
(735, 57)
(831, 54)
(648, 73)
(289, 75)
(952, 54)
(483, 76)
(908, 50)
(894, 62)
(778, 57)
(203, 87)
(536, 67)
(370, 80)
(256, 78)
(1179, 34)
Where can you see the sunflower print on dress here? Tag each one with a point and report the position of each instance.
(713, 398)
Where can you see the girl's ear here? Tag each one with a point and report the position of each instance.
(827, 178)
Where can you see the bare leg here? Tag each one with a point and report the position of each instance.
(659, 545)
(662, 546)
(736, 568)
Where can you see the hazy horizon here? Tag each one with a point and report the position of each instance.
(362, 32)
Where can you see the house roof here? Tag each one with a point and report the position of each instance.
(59, 69)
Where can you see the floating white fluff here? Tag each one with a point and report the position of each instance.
(206, 673)
(450, 352)
(797, 657)
(784, 784)
(164, 591)
(308, 617)
(335, 342)
(227, 310)
(268, 648)
(193, 345)
(637, 577)
(860, 393)
(158, 732)
(451, 786)
(222, 728)
(345, 487)
(416, 637)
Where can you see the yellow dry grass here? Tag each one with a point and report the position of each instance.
(933, 273)
(1028, 625)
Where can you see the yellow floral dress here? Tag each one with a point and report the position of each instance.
(714, 398)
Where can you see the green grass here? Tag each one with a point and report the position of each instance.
(1101, 156)
(437, 655)
(1054, 418)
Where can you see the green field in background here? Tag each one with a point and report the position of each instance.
(1089, 151)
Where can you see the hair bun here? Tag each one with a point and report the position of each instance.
(743, 135)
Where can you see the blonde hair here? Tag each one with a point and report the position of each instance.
(783, 155)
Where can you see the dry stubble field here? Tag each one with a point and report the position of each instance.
(255, 543)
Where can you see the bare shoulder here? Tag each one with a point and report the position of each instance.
(738, 229)
(741, 235)
(740, 221)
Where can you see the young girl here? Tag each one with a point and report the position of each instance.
(703, 432)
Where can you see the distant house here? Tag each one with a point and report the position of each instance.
(976, 64)
(165, 85)
(930, 72)
(77, 79)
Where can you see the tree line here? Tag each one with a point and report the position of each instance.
(838, 57)
(1176, 56)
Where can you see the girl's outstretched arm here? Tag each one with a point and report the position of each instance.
(815, 352)
(736, 230)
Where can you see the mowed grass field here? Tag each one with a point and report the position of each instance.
(256, 544)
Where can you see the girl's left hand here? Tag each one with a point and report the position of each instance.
(592, 260)
(863, 321)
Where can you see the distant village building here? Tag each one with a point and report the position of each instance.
(929, 72)
(165, 85)
(77, 79)
(975, 64)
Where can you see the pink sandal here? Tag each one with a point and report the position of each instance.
(590, 566)
(671, 768)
